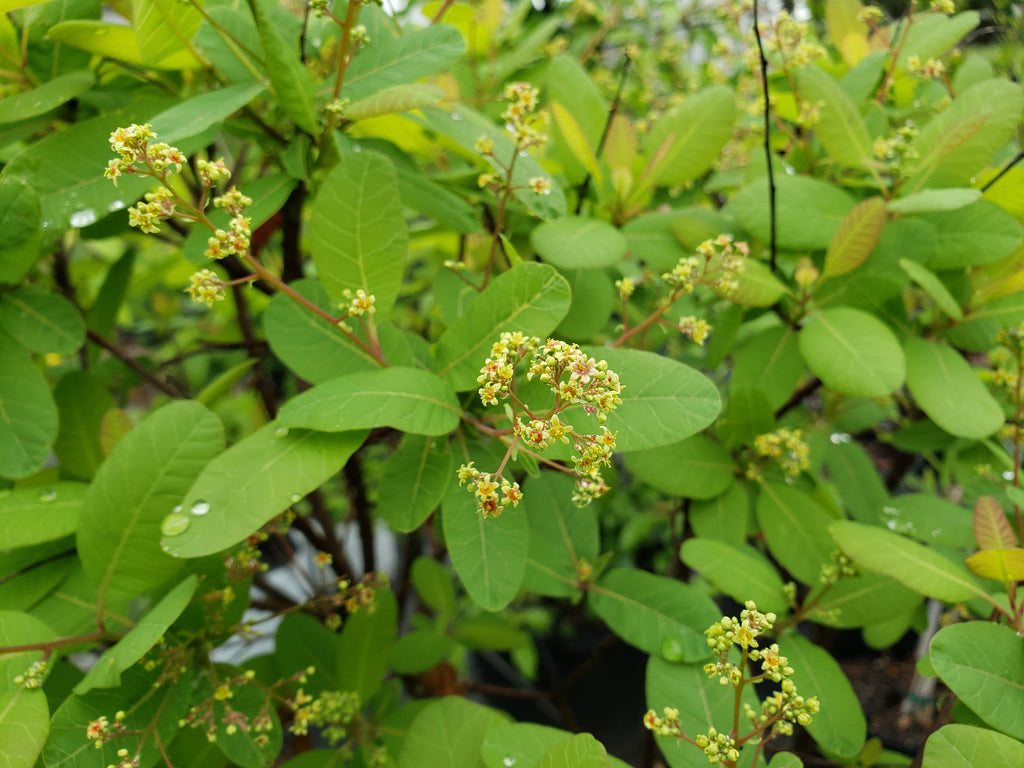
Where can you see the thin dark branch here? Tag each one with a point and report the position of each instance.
(797, 397)
(237, 270)
(322, 515)
(772, 247)
(353, 472)
(263, 384)
(291, 231)
(1005, 169)
(616, 103)
(166, 387)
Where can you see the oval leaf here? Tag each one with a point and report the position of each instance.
(19, 228)
(949, 391)
(740, 572)
(28, 415)
(415, 479)
(840, 127)
(1003, 565)
(965, 746)
(43, 322)
(795, 529)
(933, 286)
(856, 237)
(934, 200)
(448, 733)
(853, 353)
(696, 468)
(408, 399)
(253, 481)
(579, 242)
(397, 98)
(991, 528)
(687, 139)
(34, 515)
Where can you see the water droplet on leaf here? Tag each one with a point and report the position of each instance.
(281, 432)
(296, 497)
(82, 218)
(508, 761)
(200, 508)
(456, 116)
(47, 494)
(936, 532)
(174, 524)
(1008, 475)
(838, 438)
(177, 508)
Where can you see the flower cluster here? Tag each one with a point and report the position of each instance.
(216, 709)
(783, 708)
(786, 447)
(666, 725)
(717, 264)
(126, 760)
(718, 746)
(576, 379)
(522, 120)
(358, 303)
(333, 711)
(233, 241)
(101, 730)
(496, 376)
(928, 69)
(133, 149)
(158, 206)
(698, 329)
(33, 676)
(493, 492)
(205, 287)
(896, 148)
(841, 566)
(744, 631)
(794, 40)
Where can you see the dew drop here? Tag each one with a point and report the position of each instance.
(456, 116)
(47, 494)
(82, 218)
(281, 432)
(838, 438)
(508, 761)
(973, 181)
(44, 223)
(917, 102)
(117, 205)
(357, 148)
(177, 508)
(523, 153)
(200, 508)
(296, 497)
(1008, 475)
(174, 524)
(890, 512)
(892, 525)
(936, 532)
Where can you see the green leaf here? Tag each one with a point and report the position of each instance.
(420, 650)
(358, 235)
(977, 331)
(579, 242)
(164, 27)
(695, 468)
(856, 237)
(242, 747)
(255, 480)
(28, 416)
(702, 703)
(578, 150)
(150, 711)
(193, 116)
(562, 535)
(19, 228)
(520, 744)
(579, 751)
(663, 401)
(433, 583)
(366, 640)
(723, 518)
(934, 287)
(982, 664)
(488, 554)
(934, 200)
(965, 746)
(44, 97)
(771, 362)
(857, 478)
(390, 61)
(140, 482)
(593, 300)
(929, 519)
(840, 127)
(415, 479)
(221, 387)
(448, 733)
(808, 211)
(396, 98)
(979, 233)
(932, 36)
(960, 141)
(913, 565)
(36, 514)
(117, 42)
(302, 642)
(949, 391)
(840, 726)
(865, 600)
(408, 399)
(43, 322)
(653, 612)
(530, 298)
(691, 135)
(795, 529)
(580, 113)
(651, 240)
(102, 315)
(853, 352)
(740, 572)
(438, 203)
(24, 714)
(82, 401)
(293, 87)
(758, 287)
(490, 631)
(147, 632)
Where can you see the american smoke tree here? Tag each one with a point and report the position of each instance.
(343, 346)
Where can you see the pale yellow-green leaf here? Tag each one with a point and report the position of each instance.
(577, 142)
(397, 98)
(856, 237)
(1004, 565)
(116, 42)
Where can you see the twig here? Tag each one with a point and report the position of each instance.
(797, 397)
(166, 387)
(616, 103)
(353, 472)
(263, 384)
(1005, 169)
(772, 247)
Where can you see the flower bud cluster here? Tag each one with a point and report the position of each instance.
(897, 148)
(786, 447)
(32, 677)
(493, 493)
(718, 746)
(231, 242)
(205, 714)
(667, 725)
(589, 382)
(126, 760)
(698, 329)
(717, 264)
(522, 121)
(495, 377)
(722, 635)
(358, 303)
(133, 148)
(158, 206)
(212, 173)
(205, 287)
(929, 69)
(840, 566)
(794, 40)
(101, 730)
(333, 711)
(782, 709)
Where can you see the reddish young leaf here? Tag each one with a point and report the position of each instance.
(991, 528)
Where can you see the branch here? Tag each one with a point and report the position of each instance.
(166, 387)
(767, 143)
